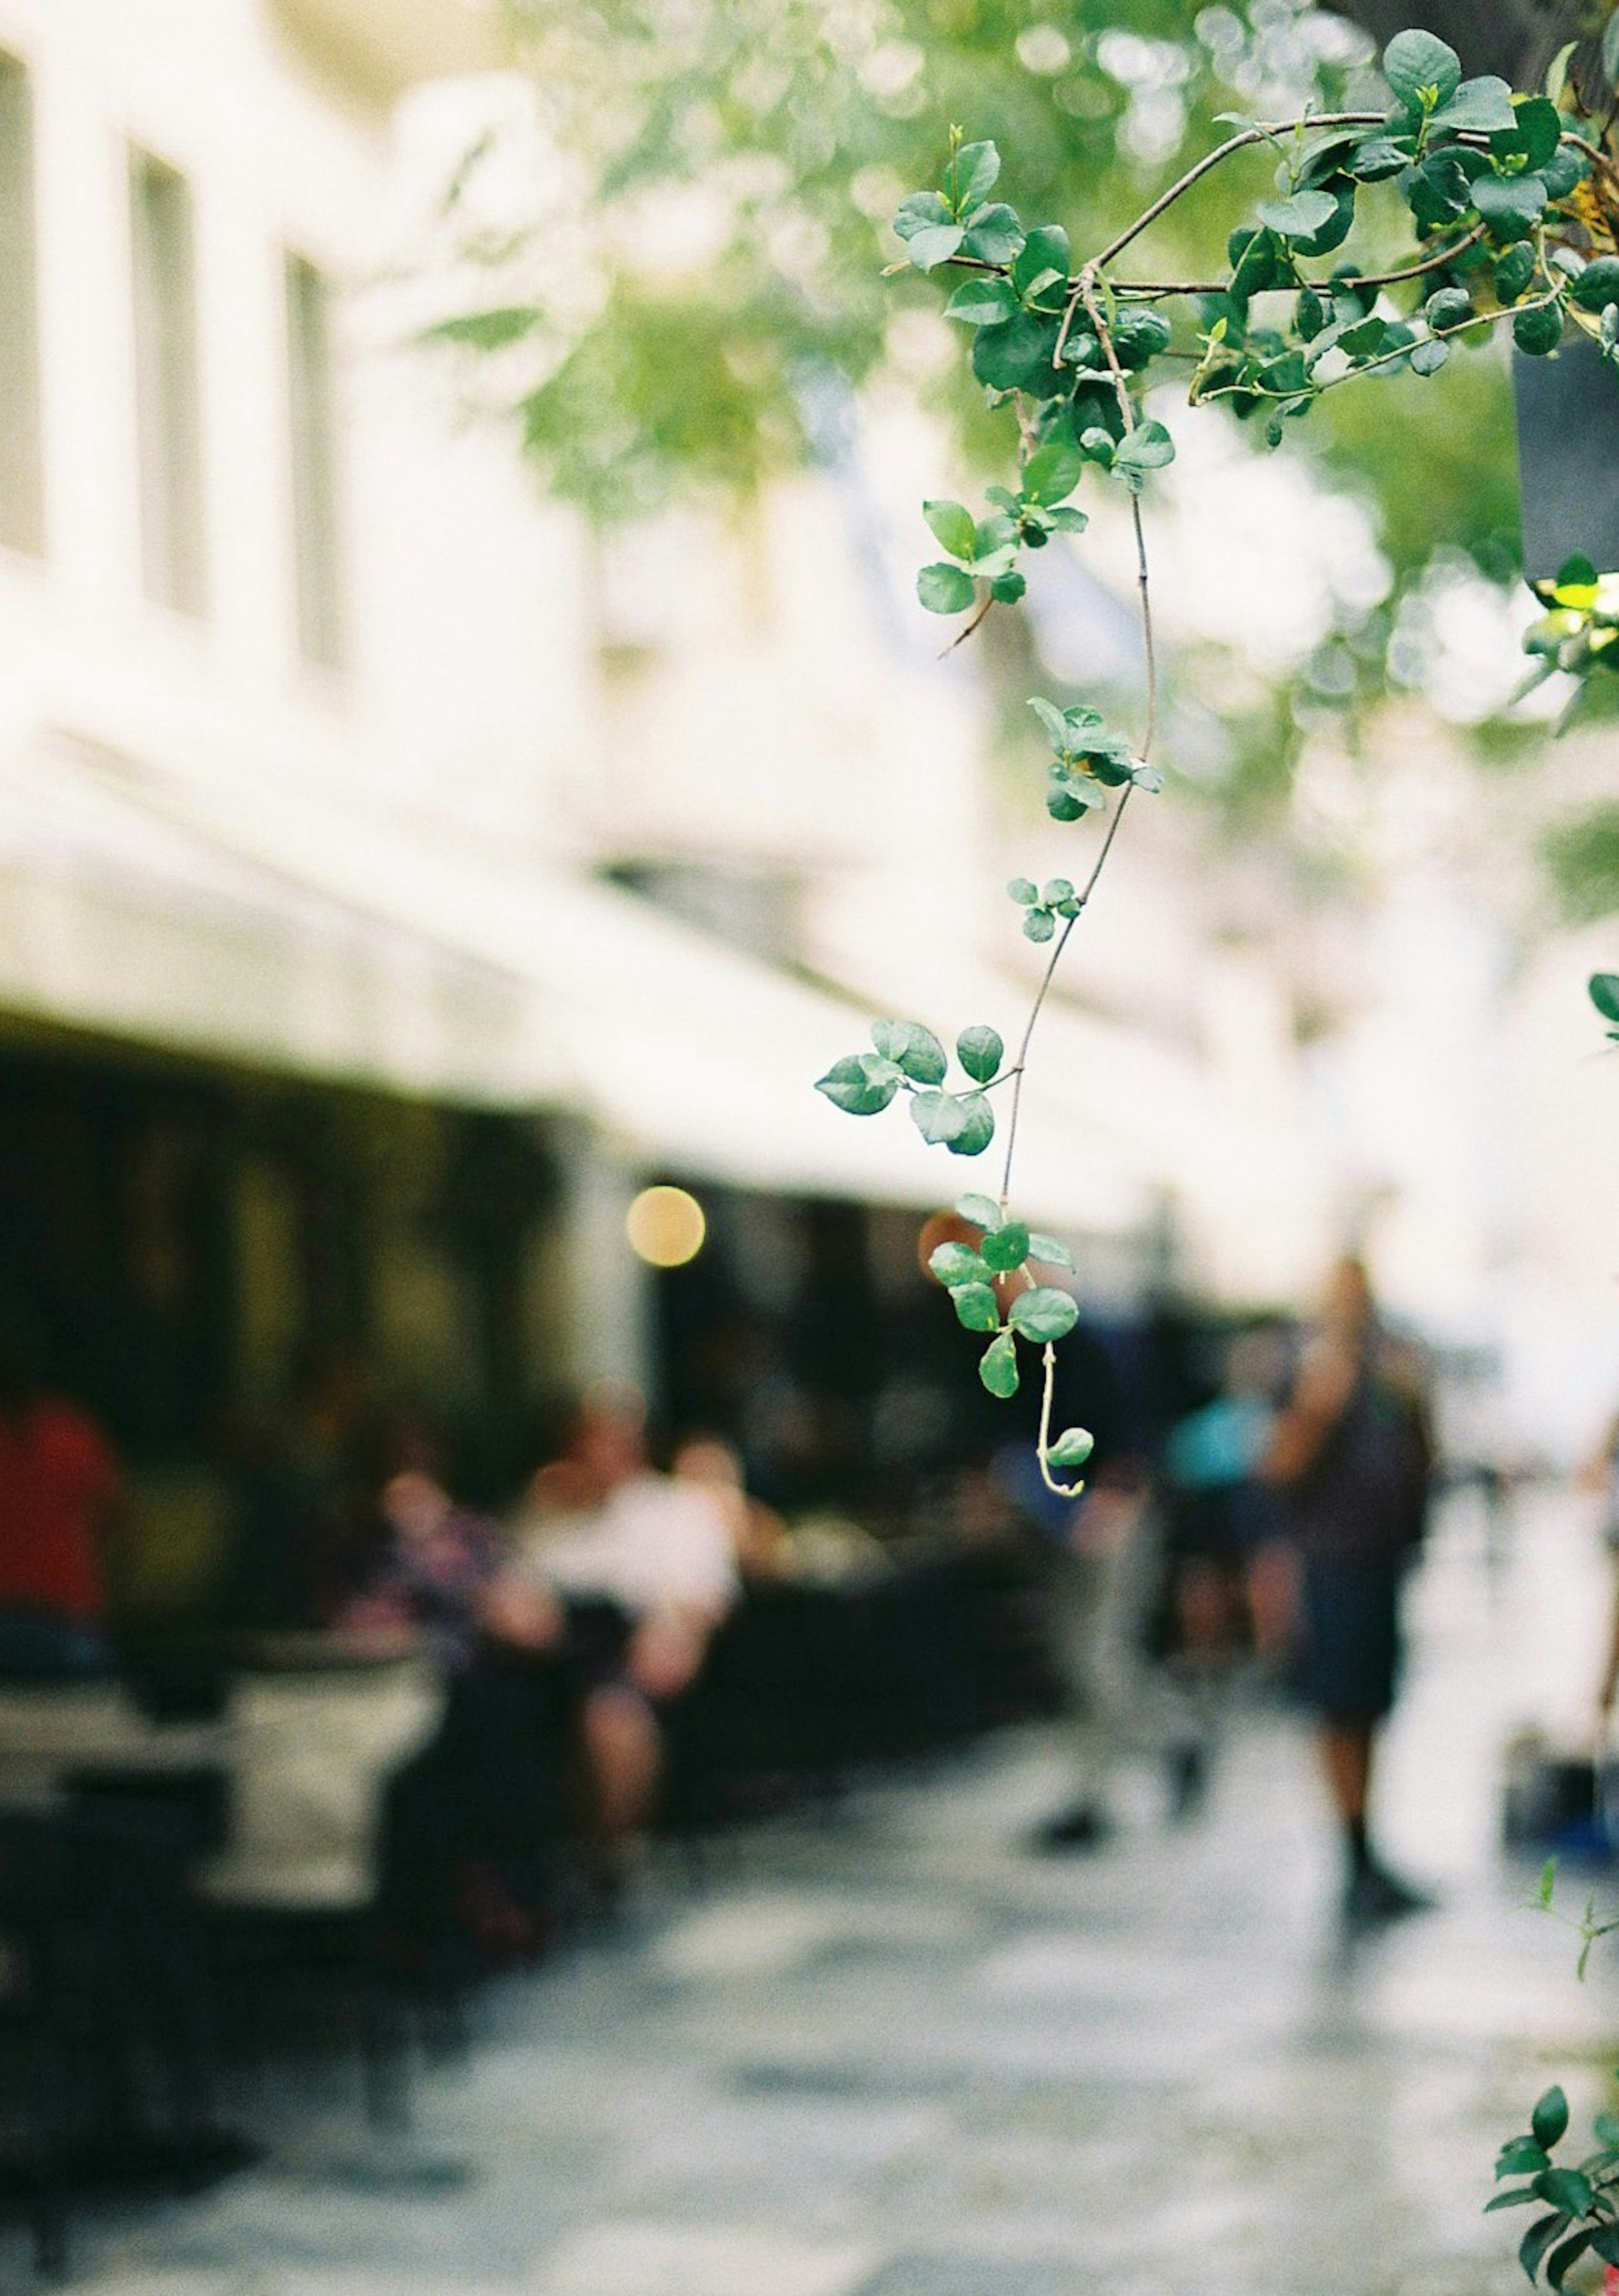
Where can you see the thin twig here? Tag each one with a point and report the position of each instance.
(967, 628)
(1258, 134)
(1152, 287)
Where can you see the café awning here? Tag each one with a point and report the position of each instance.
(259, 923)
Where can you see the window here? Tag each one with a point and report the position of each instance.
(22, 495)
(312, 413)
(174, 559)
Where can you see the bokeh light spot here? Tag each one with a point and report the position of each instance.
(665, 1226)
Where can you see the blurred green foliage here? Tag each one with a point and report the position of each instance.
(737, 163)
(721, 175)
(1581, 853)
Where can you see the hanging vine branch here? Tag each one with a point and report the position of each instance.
(1512, 209)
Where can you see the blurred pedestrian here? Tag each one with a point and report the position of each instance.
(1107, 1583)
(1351, 1459)
(1233, 1573)
(59, 1487)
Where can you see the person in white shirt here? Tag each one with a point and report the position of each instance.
(600, 1523)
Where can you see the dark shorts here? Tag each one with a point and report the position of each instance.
(1352, 1652)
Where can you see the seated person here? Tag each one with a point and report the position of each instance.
(761, 1545)
(600, 1524)
(59, 1487)
(472, 1820)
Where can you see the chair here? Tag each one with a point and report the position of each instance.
(311, 1745)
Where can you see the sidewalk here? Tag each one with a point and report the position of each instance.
(892, 2055)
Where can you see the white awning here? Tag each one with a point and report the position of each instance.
(254, 922)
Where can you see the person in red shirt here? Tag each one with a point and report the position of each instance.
(59, 1482)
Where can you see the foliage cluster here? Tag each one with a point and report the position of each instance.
(1579, 2204)
(1505, 196)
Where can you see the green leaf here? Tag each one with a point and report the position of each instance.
(977, 1127)
(1598, 285)
(1139, 335)
(1007, 1248)
(1048, 1251)
(929, 231)
(912, 1048)
(1056, 725)
(1513, 271)
(1538, 2239)
(929, 248)
(1367, 338)
(983, 302)
(1098, 445)
(993, 234)
(1486, 103)
(1018, 356)
(1007, 588)
(1147, 448)
(1610, 52)
(980, 1050)
(945, 589)
(1548, 1887)
(1537, 130)
(1537, 329)
(975, 169)
(1428, 357)
(1378, 158)
(952, 524)
(1071, 1448)
(1510, 206)
(1039, 924)
(1448, 307)
(1066, 519)
(1300, 215)
(956, 1263)
(1606, 2126)
(1563, 169)
(1520, 2196)
(1438, 190)
(1521, 2156)
(937, 1117)
(975, 1308)
(1565, 2189)
(998, 533)
(1563, 2257)
(1023, 892)
(1045, 250)
(861, 1084)
(921, 211)
(1052, 472)
(488, 330)
(1549, 2120)
(998, 1366)
(1043, 1314)
(1604, 2239)
(1423, 72)
(1603, 989)
(981, 1211)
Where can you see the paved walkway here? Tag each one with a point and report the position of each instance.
(892, 2055)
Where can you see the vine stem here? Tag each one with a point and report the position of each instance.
(1258, 134)
(1085, 293)
(1447, 254)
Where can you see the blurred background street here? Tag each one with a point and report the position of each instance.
(551, 1735)
(890, 2052)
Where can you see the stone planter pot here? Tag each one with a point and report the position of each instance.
(1568, 458)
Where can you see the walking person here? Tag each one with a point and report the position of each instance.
(1350, 1457)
